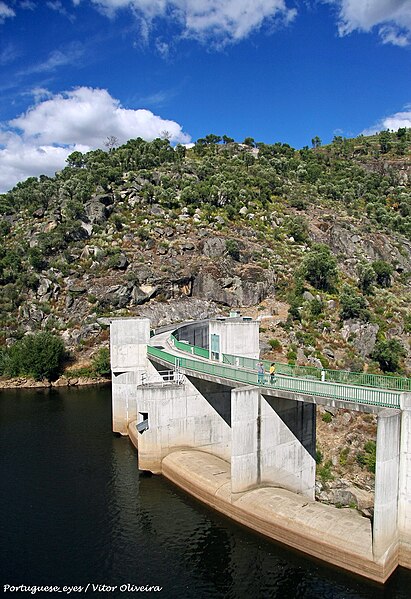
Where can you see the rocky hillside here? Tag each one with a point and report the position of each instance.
(321, 237)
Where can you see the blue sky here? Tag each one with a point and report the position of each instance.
(74, 72)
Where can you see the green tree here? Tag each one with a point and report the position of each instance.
(388, 354)
(316, 142)
(249, 141)
(353, 305)
(384, 139)
(211, 138)
(297, 227)
(40, 356)
(383, 272)
(366, 277)
(233, 250)
(320, 268)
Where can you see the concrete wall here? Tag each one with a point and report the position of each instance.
(385, 532)
(288, 432)
(128, 357)
(180, 416)
(273, 442)
(237, 336)
(195, 333)
(404, 494)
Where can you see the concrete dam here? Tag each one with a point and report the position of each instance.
(193, 403)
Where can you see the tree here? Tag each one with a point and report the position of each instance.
(383, 272)
(384, 139)
(316, 142)
(227, 140)
(320, 268)
(366, 277)
(297, 228)
(352, 305)
(40, 356)
(249, 141)
(232, 248)
(111, 142)
(75, 160)
(388, 354)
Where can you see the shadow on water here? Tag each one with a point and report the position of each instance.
(76, 510)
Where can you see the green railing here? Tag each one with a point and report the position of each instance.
(350, 393)
(345, 377)
(194, 350)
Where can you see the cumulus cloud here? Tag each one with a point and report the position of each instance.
(393, 122)
(5, 12)
(223, 21)
(39, 141)
(392, 18)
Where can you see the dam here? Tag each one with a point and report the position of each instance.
(190, 398)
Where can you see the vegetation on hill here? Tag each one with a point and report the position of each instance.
(325, 229)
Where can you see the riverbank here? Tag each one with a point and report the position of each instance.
(63, 381)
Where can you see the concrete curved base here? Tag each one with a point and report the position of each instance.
(337, 536)
(132, 433)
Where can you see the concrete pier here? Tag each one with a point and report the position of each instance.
(128, 357)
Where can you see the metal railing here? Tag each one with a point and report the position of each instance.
(194, 350)
(165, 377)
(349, 393)
(344, 377)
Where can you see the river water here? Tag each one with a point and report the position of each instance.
(74, 510)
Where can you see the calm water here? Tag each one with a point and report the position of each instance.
(75, 510)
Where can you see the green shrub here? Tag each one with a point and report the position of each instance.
(326, 417)
(232, 248)
(324, 472)
(383, 272)
(353, 305)
(366, 278)
(316, 307)
(297, 228)
(367, 458)
(388, 354)
(343, 456)
(320, 268)
(40, 356)
(274, 344)
(101, 362)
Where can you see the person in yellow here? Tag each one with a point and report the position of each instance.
(272, 373)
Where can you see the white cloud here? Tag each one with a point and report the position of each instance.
(393, 122)
(222, 21)
(39, 141)
(392, 17)
(5, 11)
